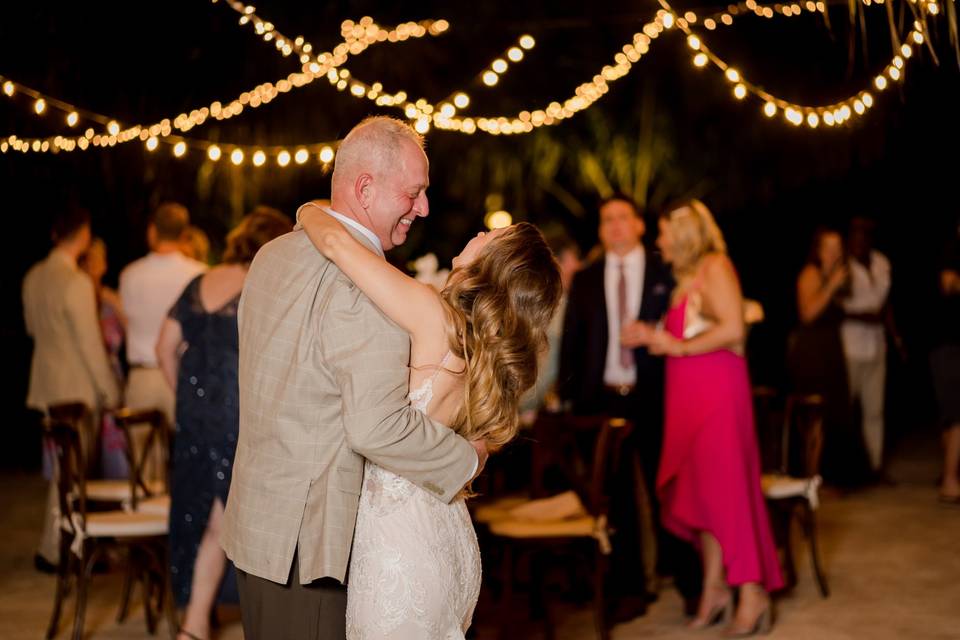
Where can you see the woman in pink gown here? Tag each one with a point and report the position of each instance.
(709, 478)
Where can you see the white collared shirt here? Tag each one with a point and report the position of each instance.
(868, 294)
(367, 233)
(149, 287)
(634, 272)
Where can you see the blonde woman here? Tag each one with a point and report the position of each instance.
(709, 478)
(415, 564)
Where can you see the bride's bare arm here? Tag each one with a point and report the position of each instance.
(414, 306)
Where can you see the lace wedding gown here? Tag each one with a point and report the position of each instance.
(415, 566)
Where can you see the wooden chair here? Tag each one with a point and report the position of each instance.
(793, 490)
(591, 529)
(550, 446)
(116, 492)
(86, 535)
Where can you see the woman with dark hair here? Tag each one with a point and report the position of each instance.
(198, 353)
(415, 563)
(815, 356)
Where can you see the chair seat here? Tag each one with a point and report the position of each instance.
(780, 487)
(584, 527)
(158, 505)
(497, 510)
(121, 524)
(117, 490)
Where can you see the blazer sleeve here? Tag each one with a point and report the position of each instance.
(81, 308)
(368, 357)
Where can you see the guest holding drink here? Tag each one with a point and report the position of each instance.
(709, 477)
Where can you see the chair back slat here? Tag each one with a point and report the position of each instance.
(139, 450)
(803, 434)
(607, 458)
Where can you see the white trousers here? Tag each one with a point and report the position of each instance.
(867, 385)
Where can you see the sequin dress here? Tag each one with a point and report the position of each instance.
(207, 423)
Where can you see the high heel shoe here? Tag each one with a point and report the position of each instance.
(721, 613)
(762, 626)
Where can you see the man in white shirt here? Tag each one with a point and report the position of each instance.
(864, 336)
(148, 289)
(598, 375)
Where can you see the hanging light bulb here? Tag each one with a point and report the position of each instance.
(515, 54)
(499, 65)
(259, 157)
(8, 88)
(40, 106)
(527, 42)
(213, 152)
(700, 60)
(236, 157)
(72, 119)
(740, 92)
(770, 109)
(301, 156)
(326, 155)
(498, 220)
(733, 75)
(113, 128)
(152, 143)
(283, 158)
(490, 78)
(179, 149)
(462, 100)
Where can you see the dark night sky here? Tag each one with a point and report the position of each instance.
(769, 184)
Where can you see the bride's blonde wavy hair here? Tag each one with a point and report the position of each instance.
(500, 305)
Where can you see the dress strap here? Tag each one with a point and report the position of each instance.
(440, 367)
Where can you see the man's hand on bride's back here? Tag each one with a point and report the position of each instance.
(480, 446)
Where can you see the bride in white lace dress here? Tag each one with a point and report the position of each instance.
(415, 565)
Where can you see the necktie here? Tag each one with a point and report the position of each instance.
(626, 354)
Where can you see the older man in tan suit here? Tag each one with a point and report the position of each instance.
(323, 385)
(69, 358)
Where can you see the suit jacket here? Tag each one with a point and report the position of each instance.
(70, 362)
(583, 354)
(323, 384)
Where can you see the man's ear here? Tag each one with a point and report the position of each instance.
(363, 189)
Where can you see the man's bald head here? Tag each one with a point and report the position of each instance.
(373, 146)
(380, 177)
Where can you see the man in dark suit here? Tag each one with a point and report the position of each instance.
(627, 283)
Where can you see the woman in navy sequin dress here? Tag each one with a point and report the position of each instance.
(198, 352)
